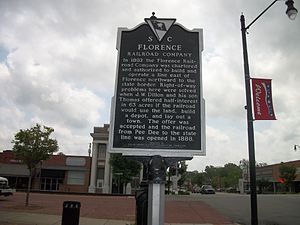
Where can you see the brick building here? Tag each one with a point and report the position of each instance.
(268, 179)
(271, 174)
(63, 173)
(70, 173)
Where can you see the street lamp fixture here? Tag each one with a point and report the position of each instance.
(291, 12)
(296, 146)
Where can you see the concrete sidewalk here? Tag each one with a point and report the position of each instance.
(46, 209)
(44, 219)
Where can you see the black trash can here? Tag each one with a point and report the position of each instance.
(71, 213)
(141, 198)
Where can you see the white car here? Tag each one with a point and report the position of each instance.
(4, 188)
(207, 189)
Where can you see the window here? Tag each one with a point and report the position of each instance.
(76, 177)
(100, 173)
(50, 179)
(50, 184)
(101, 151)
(99, 183)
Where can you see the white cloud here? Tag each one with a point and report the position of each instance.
(61, 66)
(4, 73)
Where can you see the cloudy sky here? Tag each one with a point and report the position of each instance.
(58, 65)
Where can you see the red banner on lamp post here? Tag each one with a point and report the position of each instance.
(262, 99)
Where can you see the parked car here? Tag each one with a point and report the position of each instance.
(207, 189)
(231, 190)
(4, 188)
(196, 189)
(220, 189)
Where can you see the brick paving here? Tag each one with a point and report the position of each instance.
(113, 207)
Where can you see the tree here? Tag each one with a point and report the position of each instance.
(223, 177)
(182, 168)
(233, 173)
(262, 184)
(125, 166)
(211, 172)
(32, 146)
(197, 178)
(178, 169)
(245, 167)
(287, 174)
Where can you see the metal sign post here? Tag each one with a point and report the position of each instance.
(156, 190)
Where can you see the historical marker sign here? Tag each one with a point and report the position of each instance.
(158, 107)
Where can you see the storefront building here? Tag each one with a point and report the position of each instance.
(61, 173)
(271, 174)
(268, 179)
(70, 173)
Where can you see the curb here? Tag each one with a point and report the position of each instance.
(44, 219)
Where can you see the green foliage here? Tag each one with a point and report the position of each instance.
(197, 178)
(244, 164)
(34, 145)
(232, 174)
(182, 167)
(287, 173)
(262, 184)
(125, 166)
(224, 177)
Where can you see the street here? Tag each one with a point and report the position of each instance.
(279, 209)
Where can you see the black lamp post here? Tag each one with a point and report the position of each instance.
(291, 12)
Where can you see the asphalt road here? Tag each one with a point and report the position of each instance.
(272, 209)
